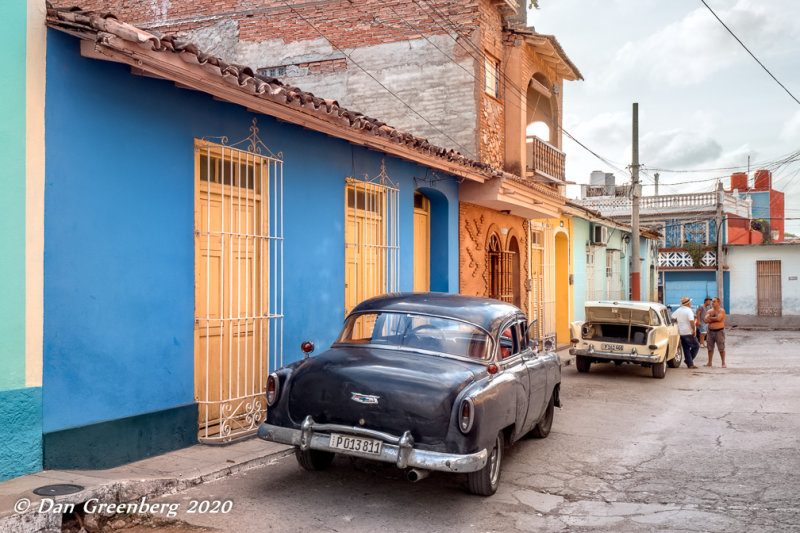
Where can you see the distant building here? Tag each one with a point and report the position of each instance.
(768, 208)
(680, 219)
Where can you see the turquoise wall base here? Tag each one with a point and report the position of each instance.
(124, 440)
(21, 420)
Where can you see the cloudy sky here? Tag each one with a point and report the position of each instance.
(704, 103)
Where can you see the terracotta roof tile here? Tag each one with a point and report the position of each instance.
(103, 27)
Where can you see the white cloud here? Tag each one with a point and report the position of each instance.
(790, 133)
(697, 47)
(679, 149)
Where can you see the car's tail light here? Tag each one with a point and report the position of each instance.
(273, 389)
(466, 415)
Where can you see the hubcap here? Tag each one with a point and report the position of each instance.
(495, 461)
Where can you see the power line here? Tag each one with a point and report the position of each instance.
(349, 57)
(749, 52)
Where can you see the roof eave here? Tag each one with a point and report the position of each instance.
(180, 69)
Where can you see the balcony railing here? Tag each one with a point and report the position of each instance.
(670, 203)
(545, 161)
(679, 258)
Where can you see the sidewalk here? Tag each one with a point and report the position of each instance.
(167, 473)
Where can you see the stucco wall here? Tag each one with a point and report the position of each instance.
(476, 224)
(742, 261)
(13, 23)
(119, 235)
(21, 445)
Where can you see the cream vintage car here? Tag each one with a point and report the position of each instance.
(618, 332)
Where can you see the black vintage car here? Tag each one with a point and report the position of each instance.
(427, 381)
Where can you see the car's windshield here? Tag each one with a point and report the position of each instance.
(422, 332)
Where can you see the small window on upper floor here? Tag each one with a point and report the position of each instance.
(273, 72)
(491, 76)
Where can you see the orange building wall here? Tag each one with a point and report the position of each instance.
(476, 224)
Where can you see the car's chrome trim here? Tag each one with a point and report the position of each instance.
(619, 356)
(398, 450)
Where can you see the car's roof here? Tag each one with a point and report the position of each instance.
(631, 304)
(484, 312)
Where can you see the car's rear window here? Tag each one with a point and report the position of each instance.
(622, 315)
(419, 332)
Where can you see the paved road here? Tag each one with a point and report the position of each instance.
(701, 450)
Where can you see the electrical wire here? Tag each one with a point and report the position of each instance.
(749, 52)
(349, 57)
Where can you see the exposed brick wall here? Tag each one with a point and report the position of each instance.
(476, 224)
(428, 53)
(349, 24)
(491, 123)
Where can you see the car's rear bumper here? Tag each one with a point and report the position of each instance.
(617, 356)
(397, 450)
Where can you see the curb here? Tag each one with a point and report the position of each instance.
(130, 490)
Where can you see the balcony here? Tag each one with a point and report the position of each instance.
(678, 258)
(545, 162)
(703, 202)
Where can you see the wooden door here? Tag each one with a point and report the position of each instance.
(768, 284)
(365, 242)
(231, 299)
(422, 243)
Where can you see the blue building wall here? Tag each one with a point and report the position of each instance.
(694, 230)
(119, 247)
(761, 203)
(580, 237)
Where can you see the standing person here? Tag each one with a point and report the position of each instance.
(700, 322)
(686, 329)
(715, 318)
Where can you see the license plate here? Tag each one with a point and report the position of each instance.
(355, 444)
(612, 347)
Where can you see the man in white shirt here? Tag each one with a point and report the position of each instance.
(685, 318)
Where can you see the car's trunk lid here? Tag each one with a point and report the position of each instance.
(381, 389)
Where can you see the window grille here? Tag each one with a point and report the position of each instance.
(501, 276)
(537, 282)
(590, 291)
(273, 72)
(238, 284)
(371, 238)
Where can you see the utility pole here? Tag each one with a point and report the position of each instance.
(636, 267)
(655, 177)
(718, 219)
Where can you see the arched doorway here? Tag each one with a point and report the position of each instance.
(495, 266)
(422, 243)
(562, 287)
(435, 203)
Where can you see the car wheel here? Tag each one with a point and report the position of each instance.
(484, 482)
(582, 363)
(542, 429)
(676, 361)
(660, 369)
(313, 459)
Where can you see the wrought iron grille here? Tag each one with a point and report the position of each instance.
(371, 238)
(238, 283)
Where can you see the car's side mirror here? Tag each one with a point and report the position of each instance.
(533, 342)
